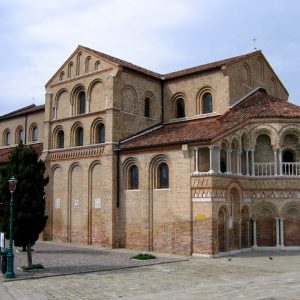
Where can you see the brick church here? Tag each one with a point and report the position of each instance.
(201, 161)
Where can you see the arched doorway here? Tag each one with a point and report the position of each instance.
(222, 229)
(292, 227)
(266, 229)
(245, 228)
(234, 219)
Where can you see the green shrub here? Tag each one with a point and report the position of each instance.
(143, 256)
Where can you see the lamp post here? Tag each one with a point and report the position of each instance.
(10, 255)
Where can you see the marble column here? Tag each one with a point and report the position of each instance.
(281, 232)
(275, 163)
(254, 234)
(218, 160)
(247, 162)
(196, 160)
(211, 152)
(252, 163)
(277, 231)
(228, 161)
(280, 162)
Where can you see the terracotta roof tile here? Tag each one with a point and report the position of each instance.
(197, 69)
(210, 66)
(257, 105)
(4, 153)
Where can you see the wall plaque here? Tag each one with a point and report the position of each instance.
(97, 203)
(57, 203)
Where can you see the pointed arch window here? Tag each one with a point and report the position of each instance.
(81, 103)
(147, 108)
(180, 108)
(134, 178)
(163, 176)
(207, 103)
(79, 137)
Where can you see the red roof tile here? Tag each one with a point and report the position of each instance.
(257, 105)
(4, 153)
(197, 69)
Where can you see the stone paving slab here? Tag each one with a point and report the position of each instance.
(247, 276)
(63, 259)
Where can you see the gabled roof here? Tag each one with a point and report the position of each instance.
(4, 153)
(125, 64)
(22, 111)
(256, 106)
(211, 66)
(197, 69)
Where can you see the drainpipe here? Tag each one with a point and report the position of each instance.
(118, 176)
(162, 98)
(25, 130)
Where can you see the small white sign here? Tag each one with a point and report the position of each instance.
(57, 203)
(97, 203)
(2, 241)
(76, 204)
(230, 222)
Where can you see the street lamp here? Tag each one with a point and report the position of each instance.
(10, 255)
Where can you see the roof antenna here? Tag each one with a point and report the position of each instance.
(254, 43)
(33, 100)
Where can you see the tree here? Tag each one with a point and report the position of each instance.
(29, 197)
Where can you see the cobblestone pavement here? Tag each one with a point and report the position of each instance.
(247, 276)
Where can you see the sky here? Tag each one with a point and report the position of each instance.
(163, 36)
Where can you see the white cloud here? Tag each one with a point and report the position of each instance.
(160, 35)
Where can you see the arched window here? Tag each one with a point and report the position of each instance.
(87, 64)
(7, 138)
(207, 103)
(246, 75)
(100, 133)
(60, 139)
(19, 135)
(222, 166)
(97, 64)
(147, 108)
(61, 76)
(34, 134)
(79, 137)
(70, 69)
(163, 176)
(78, 63)
(81, 103)
(180, 109)
(134, 178)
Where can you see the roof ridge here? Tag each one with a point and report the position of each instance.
(18, 110)
(216, 62)
(274, 107)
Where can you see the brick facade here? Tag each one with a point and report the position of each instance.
(232, 162)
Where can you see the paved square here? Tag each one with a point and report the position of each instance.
(250, 275)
